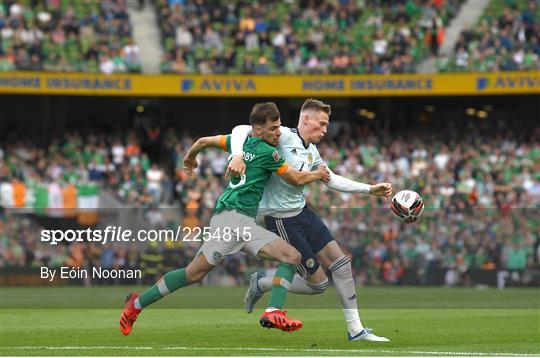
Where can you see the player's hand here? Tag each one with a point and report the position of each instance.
(323, 173)
(382, 189)
(190, 164)
(236, 167)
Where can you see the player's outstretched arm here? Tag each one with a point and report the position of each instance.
(190, 160)
(339, 183)
(295, 177)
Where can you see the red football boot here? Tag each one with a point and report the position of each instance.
(278, 319)
(129, 315)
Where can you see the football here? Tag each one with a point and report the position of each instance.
(407, 205)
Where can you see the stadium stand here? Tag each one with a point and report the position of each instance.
(299, 37)
(67, 36)
(303, 37)
(118, 164)
(507, 38)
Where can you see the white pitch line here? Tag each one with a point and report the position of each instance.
(310, 350)
(76, 347)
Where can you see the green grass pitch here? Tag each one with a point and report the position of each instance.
(210, 321)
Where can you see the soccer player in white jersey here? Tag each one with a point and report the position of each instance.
(285, 212)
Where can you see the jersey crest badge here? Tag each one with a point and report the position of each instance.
(310, 158)
(276, 156)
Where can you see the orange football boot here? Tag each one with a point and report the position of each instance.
(129, 315)
(278, 319)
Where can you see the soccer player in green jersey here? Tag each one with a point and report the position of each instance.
(233, 226)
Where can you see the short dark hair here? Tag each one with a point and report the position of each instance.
(316, 105)
(261, 112)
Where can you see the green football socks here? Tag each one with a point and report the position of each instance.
(281, 285)
(169, 283)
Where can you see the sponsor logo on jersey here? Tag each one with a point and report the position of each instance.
(276, 156)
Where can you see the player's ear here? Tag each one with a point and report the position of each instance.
(305, 118)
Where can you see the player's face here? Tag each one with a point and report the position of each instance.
(317, 126)
(270, 132)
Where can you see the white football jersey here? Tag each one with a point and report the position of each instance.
(281, 199)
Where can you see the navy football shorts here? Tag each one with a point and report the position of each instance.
(306, 232)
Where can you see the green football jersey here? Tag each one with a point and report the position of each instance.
(244, 194)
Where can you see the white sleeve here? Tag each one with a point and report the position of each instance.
(239, 135)
(339, 183)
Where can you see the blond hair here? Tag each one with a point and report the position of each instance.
(316, 105)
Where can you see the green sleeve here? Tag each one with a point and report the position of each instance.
(273, 161)
(229, 143)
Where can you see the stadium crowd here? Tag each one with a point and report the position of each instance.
(507, 38)
(482, 195)
(317, 37)
(292, 37)
(67, 36)
(116, 162)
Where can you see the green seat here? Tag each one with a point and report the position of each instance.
(169, 44)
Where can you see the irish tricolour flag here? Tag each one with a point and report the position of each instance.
(87, 204)
(81, 201)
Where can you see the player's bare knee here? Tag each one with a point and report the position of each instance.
(294, 257)
(289, 256)
(195, 276)
(318, 276)
(197, 269)
(329, 254)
